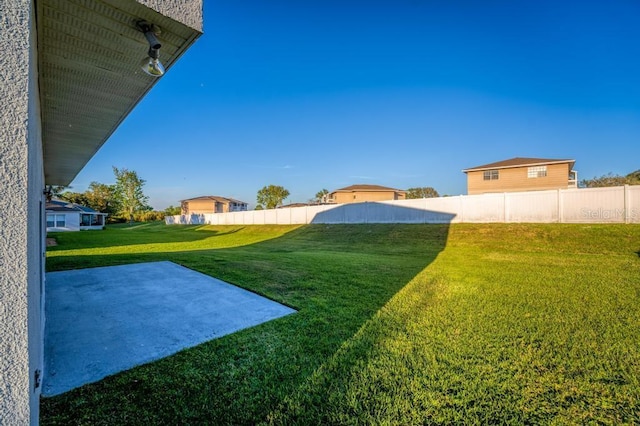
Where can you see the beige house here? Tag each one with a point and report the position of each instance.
(211, 204)
(361, 193)
(71, 74)
(521, 174)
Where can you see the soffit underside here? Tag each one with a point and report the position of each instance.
(89, 75)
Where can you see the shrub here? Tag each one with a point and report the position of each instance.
(148, 216)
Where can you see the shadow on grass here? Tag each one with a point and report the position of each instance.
(377, 212)
(338, 276)
(148, 233)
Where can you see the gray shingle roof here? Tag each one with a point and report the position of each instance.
(65, 206)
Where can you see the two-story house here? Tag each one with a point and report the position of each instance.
(521, 174)
(361, 193)
(211, 204)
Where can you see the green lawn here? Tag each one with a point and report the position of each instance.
(397, 324)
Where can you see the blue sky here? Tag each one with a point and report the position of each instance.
(404, 93)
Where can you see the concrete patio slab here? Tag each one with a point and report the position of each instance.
(101, 321)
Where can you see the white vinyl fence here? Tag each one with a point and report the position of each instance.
(620, 204)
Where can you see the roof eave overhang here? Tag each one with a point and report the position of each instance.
(88, 56)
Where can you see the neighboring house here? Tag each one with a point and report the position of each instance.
(212, 204)
(70, 75)
(66, 216)
(360, 193)
(521, 174)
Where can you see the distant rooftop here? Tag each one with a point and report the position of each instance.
(66, 206)
(287, 206)
(518, 162)
(363, 187)
(214, 198)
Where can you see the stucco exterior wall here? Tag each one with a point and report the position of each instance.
(36, 235)
(200, 207)
(360, 196)
(515, 180)
(21, 247)
(189, 12)
(22, 214)
(209, 206)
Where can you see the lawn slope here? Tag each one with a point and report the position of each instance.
(397, 324)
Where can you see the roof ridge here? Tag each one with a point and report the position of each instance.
(366, 186)
(518, 162)
(213, 198)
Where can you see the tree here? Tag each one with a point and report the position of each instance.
(259, 207)
(173, 211)
(321, 196)
(633, 178)
(128, 192)
(272, 196)
(56, 190)
(102, 197)
(422, 192)
(74, 197)
(610, 179)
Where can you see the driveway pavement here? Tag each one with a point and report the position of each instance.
(101, 321)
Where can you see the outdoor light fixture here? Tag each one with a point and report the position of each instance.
(48, 192)
(151, 64)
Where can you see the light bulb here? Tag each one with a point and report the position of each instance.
(152, 66)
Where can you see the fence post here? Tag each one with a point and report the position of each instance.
(560, 207)
(627, 205)
(425, 207)
(505, 209)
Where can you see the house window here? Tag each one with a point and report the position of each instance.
(491, 175)
(85, 220)
(238, 207)
(56, 221)
(537, 171)
(90, 219)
